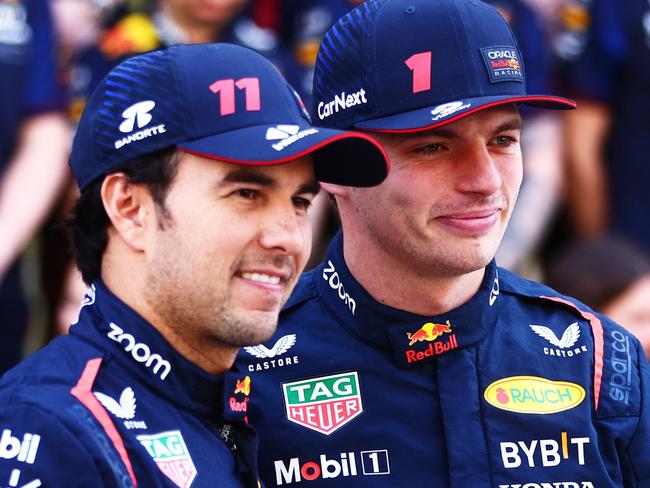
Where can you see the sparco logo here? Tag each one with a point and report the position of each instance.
(372, 463)
(341, 102)
(621, 380)
(335, 283)
(140, 352)
(554, 484)
(138, 113)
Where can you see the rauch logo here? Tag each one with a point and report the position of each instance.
(530, 394)
(323, 404)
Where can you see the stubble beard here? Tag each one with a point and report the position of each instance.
(202, 316)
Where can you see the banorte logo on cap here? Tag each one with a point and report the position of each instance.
(430, 332)
(138, 114)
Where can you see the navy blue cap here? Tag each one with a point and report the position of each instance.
(411, 65)
(219, 101)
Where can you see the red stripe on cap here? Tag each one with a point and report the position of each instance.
(569, 104)
(347, 135)
(599, 343)
(82, 391)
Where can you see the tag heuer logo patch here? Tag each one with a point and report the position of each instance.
(170, 453)
(323, 404)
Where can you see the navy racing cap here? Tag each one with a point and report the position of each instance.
(219, 101)
(412, 65)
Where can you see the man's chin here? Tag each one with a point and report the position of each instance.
(260, 326)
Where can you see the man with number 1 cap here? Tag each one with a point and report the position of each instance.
(408, 358)
(196, 166)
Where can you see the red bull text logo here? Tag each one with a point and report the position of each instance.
(505, 64)
(430, 332)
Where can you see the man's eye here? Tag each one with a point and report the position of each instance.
(301, 203)
(247, 193)
(505, 140)
(430, 148)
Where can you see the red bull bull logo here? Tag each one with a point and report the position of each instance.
(430, 332)
(243, 386)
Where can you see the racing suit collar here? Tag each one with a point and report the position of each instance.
(413, 339)
(142, 350)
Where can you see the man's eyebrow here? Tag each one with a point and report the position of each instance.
(249, 175)
(254, 176)
(513, 124)
(312, 187)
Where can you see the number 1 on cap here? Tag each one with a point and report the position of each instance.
(226, 90)
(420, 65)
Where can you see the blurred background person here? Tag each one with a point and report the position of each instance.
(604, 48)
(610, 275)
(34, 145)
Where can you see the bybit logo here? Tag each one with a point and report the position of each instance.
(138, 114)
(544, 452)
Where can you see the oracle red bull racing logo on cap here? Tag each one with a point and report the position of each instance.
(430, 332)
(533, 395)
(323, 404)
(502, 64)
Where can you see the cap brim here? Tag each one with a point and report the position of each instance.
(344, 158)
(424, 118)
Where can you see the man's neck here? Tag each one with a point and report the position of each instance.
(397, 284)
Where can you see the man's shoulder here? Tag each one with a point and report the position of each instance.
(533, 293)
(43, 426)
(45, 379)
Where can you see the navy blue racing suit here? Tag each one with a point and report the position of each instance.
(114, 405)
(517, 388)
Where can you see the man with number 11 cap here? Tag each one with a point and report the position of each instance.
(196, 166)
(408, 358)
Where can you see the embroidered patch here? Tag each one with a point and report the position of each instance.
(323, 404)
(170, 453)
(503, 64)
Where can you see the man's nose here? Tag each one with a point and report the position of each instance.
(479, 171)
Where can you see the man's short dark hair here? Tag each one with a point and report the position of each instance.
(89, 224)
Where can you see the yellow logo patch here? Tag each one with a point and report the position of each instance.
(533, 395)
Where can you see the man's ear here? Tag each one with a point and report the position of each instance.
(130, 208)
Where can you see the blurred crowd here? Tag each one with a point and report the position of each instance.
(582, 222)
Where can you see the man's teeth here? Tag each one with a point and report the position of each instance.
(263, 278)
